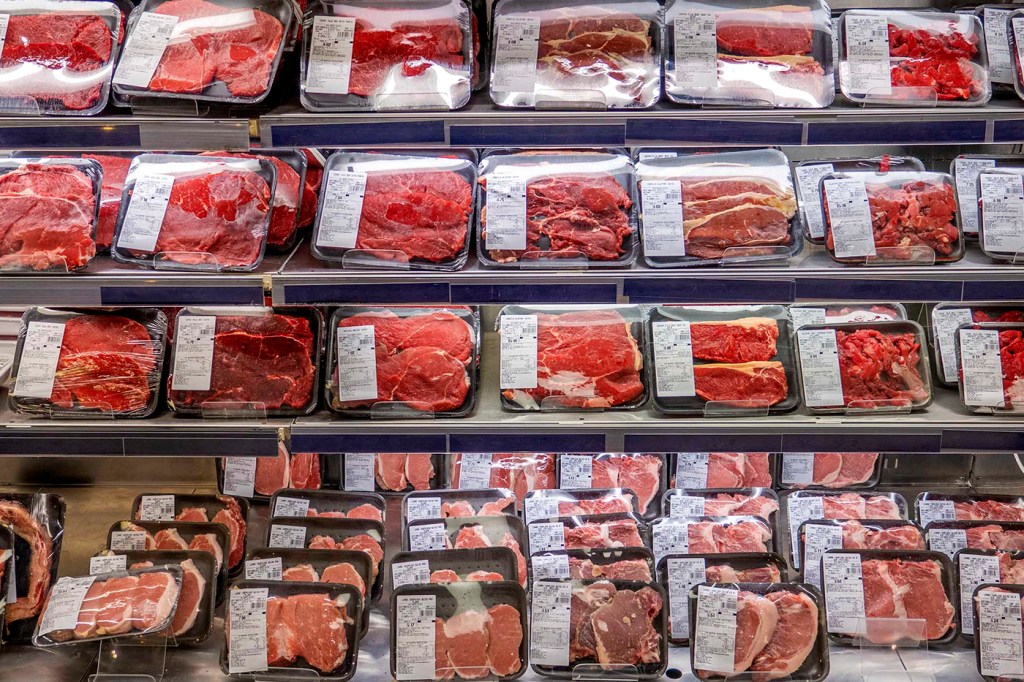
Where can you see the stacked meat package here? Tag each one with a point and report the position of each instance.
(643, 475)
(1000, 230)
(990, 366)
(520, 472)
(948, 318)
(965, 170)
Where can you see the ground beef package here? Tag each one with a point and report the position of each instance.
(946, 318)
(727, 53)
(600, 54)
(402, 54)
(990, 366)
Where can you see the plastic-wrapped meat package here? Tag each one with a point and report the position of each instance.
(725, 53)
(482, 564)
(819, 313)
(445, 504)
(208, 213)
(619, 563)
(48, 214)
(283, 345)
(947, 318)
(830, 470)
(415, 211)
(816, 536)
(932, 58)
(965, 170)
(344, 566)
(222, 509)
(212, 51)
(589, 531)
(412, 55)
(58, 56)
(588, 358)
(210, 537)
(605, 53)
(520, 472)
(990, 367)
(303, 471)
(469, 533)
(565, 209)
(197, 595)
(760, 502)
(723, 470)
(736, 207)
(992, 606)
(702, 534)
(328, 504)
(931, 506)
(639, 473)
(1000, 535)
(399, 472)
(109, 363)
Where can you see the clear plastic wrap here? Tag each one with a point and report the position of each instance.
(975, 567)
(215, 350)
(588, 531)
(816, 536)
(95, 363)
(326, 504)
(395, 210)
(519, 472)
(557, 210)
(404, 361)
(298, 470)
(205, 536)
(990, 367)
(760, 502)
(546, 504)
(640, 473)
(820, 313)
(222, 509)
(570, 358)
(994, 611)
(930, 58)
(965, 169)
(444, 504)
(1000, 193)
(1015, 33)
(723, 470)
(702, 534)
(716, 209)
(402, 472)
(720, 52)
(469, 533)
(169, 225)
(483, 564)
(949, 537)
(721, 360)
(618, 563)
(932, 506)
(830, 470)
(359, 55)
(946, 318)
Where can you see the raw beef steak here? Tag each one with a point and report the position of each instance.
(37, 563)
(756, 620)
(743, 340)
(766, 32)
(729, 504)
(614, 627)
(590, 535)
(736, 470)
(625, 569)
(272, 472)
(756, 384)
(857, 536)
(640, 473)
(519, 472)
(912, 590)
(310, 626)
(115, 170)
(119, 605)
(473, 643)
(842, 469)
(724, 573)
(989, 510)
(880, 369)
(397, 472)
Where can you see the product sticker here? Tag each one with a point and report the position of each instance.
(156, 508)
(651, 156)
(290, 506)
(808, 179)
(359, 471)
(797, 468)
(975, 569)
(798, 510)
(107, 563)
(341, 208)
(692, 469)
(422, 508)
(670, 538)
(193, 353)
(357, 364)
(506, 212)
(997, 44)
(546, 537)
(945, 322)
(415, 620)
(287, 536)
(5, 20)
(239, 476)
(817, 540)
(64, 603)
(999, 632)
(662, 202)
(474, 470)
(516, 39)
(143, 49)
(518, 357)
(549, 619)
(966, 172)
(127, 540)
(330, 55)
(867, 54)
(685, 505)
(426, 537)
(849, 217)
(144, 217)
(935, 510)
(819, 367)
(683, 574)
(39, 356)
(540, 508)
(264, 569)
(1002, 212)
(696, 49)
(247, 636)
(576, 471)
(805, 316)
(410, 573)
(844, 593)
(550, 566)
(982, 368)
(949, 541)
(714, 645)
(673, 359)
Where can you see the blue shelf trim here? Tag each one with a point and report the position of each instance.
(387, 132)
(878, 289)
(262, 445)
(317, 294)
(536, 135)
(1006, 441)
(185, 295)
(528, 293)
(919, 132)
(725, 442)
(381, 441)
(997, 290)
(833, 442)
(1011, 130)
(527, 442)
(126, 135)
(709, 290)
(642, 130)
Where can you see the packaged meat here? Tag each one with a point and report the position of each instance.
(444, 504)
(617, 563)
(359, 55)
(965, 169)
(737, 207)
(820, 313)
(703, 534)
(905, 217)
(170, 225)
(58, 56)
(37, 520)
(588, 531)
(933, 58)
(546, 504)
(124, 603)
(469, 533)
(990, 367)
(6, 568)
(760, 502)
(808, 175)
(483, 564)
(627, 619)
(832, 470)
(327, 504)
(721, 52)
(203, 536)
(1015, 34)
(565, 358)
(777, 630)
(220, 346)
(603, 54)
(551, 209)
(721, 360)
(363, 535)
(202, 51)
(223, 509)
(642, 473)
(817, 536)
(415, 210)
(480, 25)
(839, 372)
(261, 477)
(315, 162)
(679, 573)
(312, 629)
(949, 537)
(1000, 193)
(404, 361)
(49, 222)
(994, 611)
(723, 470)
(519, 472)
(478, 628)
(995, 20)
(975, 567)
(932, 506)
(401, 472)
(946, 318)
(107, 364)
(907, 597)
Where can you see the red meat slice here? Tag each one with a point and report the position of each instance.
(792, 640)
(197, 514)
(484, 577)
(365, 511)
(981, 537)
(437, 329)
(301, 573)
(389, 471)
(272, 472)
(444, 575)
(880, 507)
(745, 536)
(756, 620)
(457, 509)
(92, 603)
(115, 170)
(471, 537)
(153, 597)
(626, 569)
(504, 637)
(727, 574)
(755, 470)
(755, 383)
(442, 668)
(282, 640)
(364, 543)
(304, 471)
(505, 505)
(419, 470)
(208, 542)
(169, 538)
(507, 540)
(642, 475)
(766, 32)
(726, 504)
(321, 623)
(920, 585)
(115, 609)
(583, 604)
(40, 548)
(190, 598)
(747, 339)
(1008, 540)
(231, 517)
(323, 542)
(467, 636)
(314, 174)
(343, 573)
(623, 628)
(606, 505)
(401, 47)
(879, 369)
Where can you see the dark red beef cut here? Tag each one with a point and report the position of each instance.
(258, 359)
(401, 49)
(285, 205)
(880, 369)
(47, 215)
(241, 58)
(940, 61)
(745, 339)
(615, 627)
(115, 170)
(314, 174)
(39, 550)
(1011, 354)
(766, 31)
(756, 383)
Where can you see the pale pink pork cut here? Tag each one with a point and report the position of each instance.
(301, 573)
(793, 639)
(343, 573)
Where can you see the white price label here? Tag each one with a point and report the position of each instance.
(359, 471)
(546, 537)
(819, 368)
(410, 573)
(518, 358)
(550, 566)
(798, 510)
(5, 20)
(804, 316)
(427, 537)
(415, 636)
(966, 172)
(1002, 212)
(107, 563)
(844, 593)
(147, 205)
(540, 508)
(341, 209)
(506, 212)
(247, 636)
(417, 508)
(683, 574)
(797, 468)
(808, 181)
(264, 569)
(975, 570)
(144, 49)
(651, 156)
(575, 471)
(692, 469)
(997, 44)
(849, 217)
(239, 476)
(662, 202)
(673, 359)
(474, 470)
(290, 506)
(516, 39)
(330, 55)
(39, 355)
(714, 645)
(670, 537)
(357, 363)
(549, 619)
(935, 510)
(982, 368)
(156, 508)
(287, 536)
(999, 631)
(696, 49)
(949, 541)
(193, 353)
(867, 54)
(685, 505)
(816, 541)
(64, 603)
(945, 322)
(127, 540)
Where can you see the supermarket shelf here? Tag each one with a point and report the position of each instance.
(108, 131)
